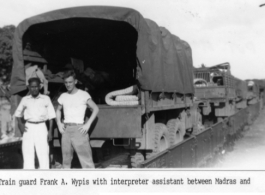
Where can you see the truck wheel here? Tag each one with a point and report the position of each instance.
(136, 159)
(182, 127)
(174, 132)
(160, 140)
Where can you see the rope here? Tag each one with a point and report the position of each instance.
(122, 97)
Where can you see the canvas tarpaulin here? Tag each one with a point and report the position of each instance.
(164, 66)
(185, 63)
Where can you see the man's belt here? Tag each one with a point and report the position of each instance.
(72, 124)
(36, 122)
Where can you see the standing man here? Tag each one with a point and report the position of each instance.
(36, 109)
(73, 129)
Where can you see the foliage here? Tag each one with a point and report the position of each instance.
(6, 40)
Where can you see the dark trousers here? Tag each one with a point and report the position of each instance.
(73, 139)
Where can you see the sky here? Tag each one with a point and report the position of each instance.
(217, 30)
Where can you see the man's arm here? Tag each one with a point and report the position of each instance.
(21, 125)
(58, 118)
(19, 115)
(91, 104)
(51, 116)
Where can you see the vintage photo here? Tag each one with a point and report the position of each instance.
(130, 85)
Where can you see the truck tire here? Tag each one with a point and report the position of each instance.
(174, 131)
(182, 127)
(160, 140)
(136, 159)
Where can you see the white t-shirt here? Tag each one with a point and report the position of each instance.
(74, 106)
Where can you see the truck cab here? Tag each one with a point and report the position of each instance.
(217, 96)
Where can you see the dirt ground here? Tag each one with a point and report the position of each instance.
(249, 151)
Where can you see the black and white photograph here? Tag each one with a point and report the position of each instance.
(121, 96)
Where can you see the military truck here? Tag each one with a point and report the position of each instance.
(124, 49)
(215, 92)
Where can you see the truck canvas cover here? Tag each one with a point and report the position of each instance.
(164, 62)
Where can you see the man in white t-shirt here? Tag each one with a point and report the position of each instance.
(73, 129)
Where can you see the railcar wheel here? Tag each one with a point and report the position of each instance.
(174, 131)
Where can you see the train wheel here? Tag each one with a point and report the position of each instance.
(136, 159)
(174, 131)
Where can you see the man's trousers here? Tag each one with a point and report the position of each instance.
(73, 139)
(36, 136)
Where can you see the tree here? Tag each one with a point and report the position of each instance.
(6, 41)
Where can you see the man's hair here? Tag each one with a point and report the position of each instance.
(34, 79)
(69, 73)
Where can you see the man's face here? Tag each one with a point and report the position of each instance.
(34, 88)
(70, 83)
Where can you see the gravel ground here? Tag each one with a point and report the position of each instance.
(249, 151)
